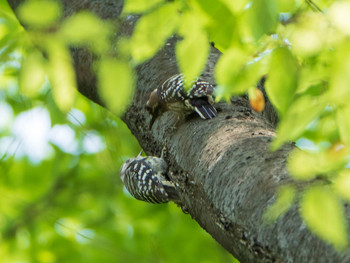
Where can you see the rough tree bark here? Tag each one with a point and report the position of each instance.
(226, 174)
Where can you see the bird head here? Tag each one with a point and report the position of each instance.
(126, 165)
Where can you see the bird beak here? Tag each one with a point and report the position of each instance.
(140, 153)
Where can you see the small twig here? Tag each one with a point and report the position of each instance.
(313, 6)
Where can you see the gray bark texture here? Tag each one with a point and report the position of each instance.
(227, 175)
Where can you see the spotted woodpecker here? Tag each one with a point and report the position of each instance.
(145, 179)
(172, 96)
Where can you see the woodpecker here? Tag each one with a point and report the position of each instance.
(172, 96)
(145, 179)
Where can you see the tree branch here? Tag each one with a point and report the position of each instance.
(226, 173)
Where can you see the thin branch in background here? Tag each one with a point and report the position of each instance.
(313, 6)
(35, 209)
(38, 210)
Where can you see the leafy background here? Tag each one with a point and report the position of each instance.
(60, 154)
(62, 199)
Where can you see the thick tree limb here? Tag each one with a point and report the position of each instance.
(226, 174)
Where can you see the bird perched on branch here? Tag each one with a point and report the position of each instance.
(171, 95)
(145, 179)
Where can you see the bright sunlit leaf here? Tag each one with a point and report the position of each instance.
(152, 30)
(62, 75)
(86, 29)
(343, 121)
(309, 35)
(116, 84)
(221, 22)
(285, 199)
(7, 79)
(250, 75)
(311, 76)
(236, 6)
(322, 129)
(340, 16)
(39, 13)
(140, 6)
(192, 52)
(32, 75)
(282, 79)
(302, 165)
(263, 17)
(3, 31)
(334, 158)
(46, 256)
(299, 115)
(323, 213)
(229, 67)
(342, 184)
(286, 5)
(327, 127)
(339, 83)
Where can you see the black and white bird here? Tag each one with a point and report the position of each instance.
(172, 96)
(145, 179)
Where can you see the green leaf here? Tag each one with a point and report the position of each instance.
(343, 122)
(312, 77)
(282, 79)
(221, 24)
(228, 68)
(8, 77)
(235, 6)
(286, 6)
(88, 30)
(152, 30)
(302, 165)
(323, 213)
(116, 84)
(62, 75)
(3, 31)
(342, 184)
(250, 75)
(140, 6)
(32, 75)
(339, 16)
(327, 128)
(339, 91)
(285, 199)
(310, 35)
(192, 52)
(235, 75)
(263, 17)
(324, 129)
(39, 13)
(299, 115)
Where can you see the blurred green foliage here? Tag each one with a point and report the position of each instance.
(301, 46)
(60, 155)
(321, 202)
(285, 199)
